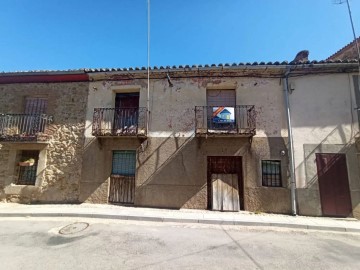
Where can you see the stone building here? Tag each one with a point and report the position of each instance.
(216, 137)
(202, 137)
(42, 123)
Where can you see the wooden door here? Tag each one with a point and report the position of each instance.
(225, 192)
(122, 180)
(225, 186)
(122, 189)
(333, 185)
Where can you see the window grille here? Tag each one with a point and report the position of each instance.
(271, 173)
(124, 163)
(27, 174)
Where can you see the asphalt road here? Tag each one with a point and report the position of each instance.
(29, 243)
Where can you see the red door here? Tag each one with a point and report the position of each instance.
(334, 185)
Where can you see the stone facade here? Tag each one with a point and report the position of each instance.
(59, 168)
(172, 161)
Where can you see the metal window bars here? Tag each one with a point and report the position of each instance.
(124, 162)
(271, 173)
(27, 174)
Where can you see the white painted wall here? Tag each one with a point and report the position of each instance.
(322, 111)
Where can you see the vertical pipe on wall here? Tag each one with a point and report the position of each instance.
(291, 145)
(148, 67)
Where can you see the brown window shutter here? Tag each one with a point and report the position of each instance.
(35, 105)
(221, 98)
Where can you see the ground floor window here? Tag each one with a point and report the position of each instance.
(271, 173)
(27, 167)
(124, 162)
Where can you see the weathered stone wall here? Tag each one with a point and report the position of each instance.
(59, 180)
(4, 156)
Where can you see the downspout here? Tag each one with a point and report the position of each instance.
(148, 69)
(291, 146)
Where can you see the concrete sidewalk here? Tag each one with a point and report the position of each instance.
(184, 216)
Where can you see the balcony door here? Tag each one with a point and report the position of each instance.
(126, 113)
(221, 109)
(33, 121)
(35, 105)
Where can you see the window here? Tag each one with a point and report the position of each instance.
(33, 121)
(35, 105)
(28, 161)
(221, 98)
(124, 163)
(126, 113)
(221, 109)
(271, 173)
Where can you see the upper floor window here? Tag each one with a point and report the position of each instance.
(221, 109)
(35, 105)
(127, 100)
(221, 97)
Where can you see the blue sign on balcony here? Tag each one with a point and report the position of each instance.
(223, 115)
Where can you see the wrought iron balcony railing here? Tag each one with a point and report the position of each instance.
(24, 127)
(119, 122)
(237, 120)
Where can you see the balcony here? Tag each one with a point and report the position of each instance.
(115, 122)
(221, 120)
(24, 127)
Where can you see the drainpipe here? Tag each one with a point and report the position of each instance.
(148, 69)
(291, 148)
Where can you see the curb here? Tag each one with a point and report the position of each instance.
(188, 220)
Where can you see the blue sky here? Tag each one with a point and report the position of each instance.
(71, 34)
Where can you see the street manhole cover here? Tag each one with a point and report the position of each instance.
(74, 228)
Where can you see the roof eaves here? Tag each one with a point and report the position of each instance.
(43, 72)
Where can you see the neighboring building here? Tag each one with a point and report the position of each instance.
(325, 124)
(348, 52)
(203, 137)
(42, 121)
